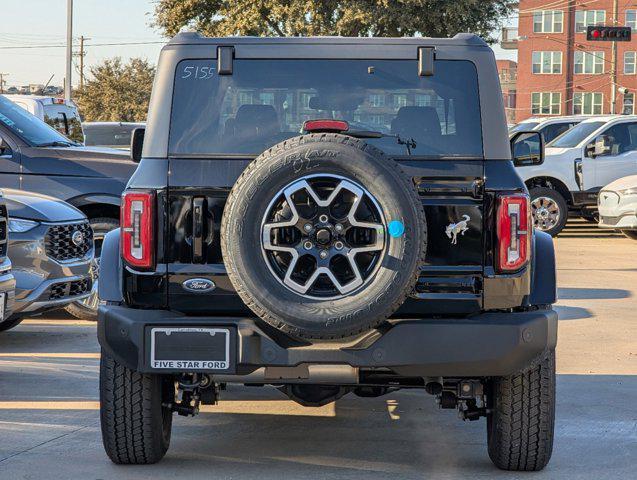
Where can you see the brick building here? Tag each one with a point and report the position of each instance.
(560, 73)
(508, 72)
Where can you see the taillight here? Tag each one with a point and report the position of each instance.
(514, 231)
(137, 229)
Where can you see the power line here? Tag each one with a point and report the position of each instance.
(87, 45)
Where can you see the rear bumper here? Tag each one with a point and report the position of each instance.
(490, 344)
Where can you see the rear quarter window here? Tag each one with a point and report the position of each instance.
(267, 101)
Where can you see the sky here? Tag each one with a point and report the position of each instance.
(34, 23)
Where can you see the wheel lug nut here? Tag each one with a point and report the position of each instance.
(323, 254)
(307, 227)
(338, 227)
(308, 245)
(323, 218)
(338, 245)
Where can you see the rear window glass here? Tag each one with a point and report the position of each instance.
(266, 101)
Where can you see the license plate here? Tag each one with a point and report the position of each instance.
(190, 348)
(2, 305)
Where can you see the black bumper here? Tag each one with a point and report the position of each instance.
(490, 344)
(586, 198)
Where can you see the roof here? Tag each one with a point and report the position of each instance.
(13, 96)
(608, 118)
(195, 38)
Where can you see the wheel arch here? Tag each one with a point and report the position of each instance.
(552, 183)
(98, 205)
(110, 279)
(543, 280)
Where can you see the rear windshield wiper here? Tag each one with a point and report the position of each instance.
(407, 142)
(57, 143)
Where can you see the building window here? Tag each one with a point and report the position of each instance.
(589, 62)
(376, 100)
(629, 63)
(629, 103)
(584, 18)
(587, 103)
(400, 100)
(548, 21)
(546, 103)
(631, 19)
(547, 62)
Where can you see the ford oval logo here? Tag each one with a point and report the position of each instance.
(198, 285)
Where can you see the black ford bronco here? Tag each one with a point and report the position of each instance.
(328, 216)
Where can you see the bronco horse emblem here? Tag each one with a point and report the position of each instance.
(453, 229)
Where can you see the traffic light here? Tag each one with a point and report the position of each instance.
(608, 34)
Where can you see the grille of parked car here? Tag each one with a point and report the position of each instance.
(66, 242)
(3, 231)
(70, 289)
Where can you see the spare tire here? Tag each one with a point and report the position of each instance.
(323, 236)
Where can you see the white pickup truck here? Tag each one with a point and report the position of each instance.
(577, 165)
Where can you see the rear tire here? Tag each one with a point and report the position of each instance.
(521, 423)
(135, 426)
(541, 196)
(632, 234)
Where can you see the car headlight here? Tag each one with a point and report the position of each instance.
(20, 225)
(628, 191)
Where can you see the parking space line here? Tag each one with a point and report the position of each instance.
(49, 355)
(62, 323)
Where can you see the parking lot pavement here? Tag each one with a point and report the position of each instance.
(49, 419)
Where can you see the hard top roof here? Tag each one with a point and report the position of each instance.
(460, 40)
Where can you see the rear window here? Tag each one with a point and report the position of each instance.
(266, 101)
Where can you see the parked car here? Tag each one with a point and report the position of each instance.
(109, 134)
(61, 114)
(51, 248)
(37, 158)
(7, 280)
(549, 127)
(617, 206)
(251, 253)
(576, 166)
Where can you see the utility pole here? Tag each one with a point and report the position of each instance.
(69, 48)
(2, 81)
(81, 55)
(613, 64)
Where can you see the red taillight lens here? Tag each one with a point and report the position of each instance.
(514, 231)
(137, 229)
(327, 125)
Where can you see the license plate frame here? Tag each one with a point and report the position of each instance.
(207, 351)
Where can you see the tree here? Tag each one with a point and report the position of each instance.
(117, 91)
(377, 18)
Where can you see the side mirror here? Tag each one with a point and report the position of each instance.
(527, 148)
(602, 145)
(589, 150)
(136, 144)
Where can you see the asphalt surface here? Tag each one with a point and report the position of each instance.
(49, 418)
